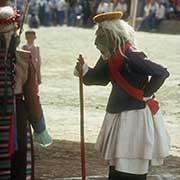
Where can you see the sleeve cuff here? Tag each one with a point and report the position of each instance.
(39, 126)
(85, 70)
(147, 98)
(43, 139)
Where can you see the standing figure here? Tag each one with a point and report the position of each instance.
(177, 9)
(19, 104)
(159, 15)
(133, 132)
(35, 52)
(170, 11)
(33, 21)
(149, 15)
(121, 6)
(87, 13)
(41, 12)
(61, 8)
(48, 13)
(102, 7)
(71, 15)
(78, 13)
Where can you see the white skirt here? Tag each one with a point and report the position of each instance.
(131, 139)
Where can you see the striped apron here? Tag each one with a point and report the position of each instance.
(16, 163)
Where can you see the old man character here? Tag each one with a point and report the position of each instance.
(133, 132)
(19, 104)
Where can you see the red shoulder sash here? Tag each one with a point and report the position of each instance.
(114, 64)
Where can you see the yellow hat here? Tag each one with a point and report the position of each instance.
(108, 16)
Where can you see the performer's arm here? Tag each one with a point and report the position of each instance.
(39, 56)
(144, 65)
(32, 99)
(39, 65)
(35, 113)
(99, 75)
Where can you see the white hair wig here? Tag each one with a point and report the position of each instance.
(7, 29)
(6, 12)
(121, 31)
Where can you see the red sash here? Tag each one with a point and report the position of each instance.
(114, 64)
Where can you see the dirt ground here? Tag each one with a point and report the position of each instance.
(60, 46)
(62, 160)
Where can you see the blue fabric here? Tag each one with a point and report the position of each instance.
(39, 126)
(61, 15)
(43, 139)
(71, 18)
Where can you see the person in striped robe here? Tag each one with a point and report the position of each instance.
(20, 106)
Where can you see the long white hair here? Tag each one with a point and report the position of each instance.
(120, 31)
(7, 29)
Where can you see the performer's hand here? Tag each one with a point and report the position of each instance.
(80, 62)
(81, 59)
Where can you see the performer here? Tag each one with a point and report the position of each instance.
(35, 52)
(133, 132)
(19, 104)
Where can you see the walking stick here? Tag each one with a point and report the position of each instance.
(83, 163)
(24, 16)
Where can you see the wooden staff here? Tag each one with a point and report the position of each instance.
(133, 12)
(83, 161)
(24, 16)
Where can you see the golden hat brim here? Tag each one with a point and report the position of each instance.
(108, 16)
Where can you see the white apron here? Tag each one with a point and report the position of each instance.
(131, 139)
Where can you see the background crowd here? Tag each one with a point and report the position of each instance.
(157, 10)
(80, 12)
(71, 12)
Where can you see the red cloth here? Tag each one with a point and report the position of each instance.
(153, 105)
(114, 65)
(9, 20)
(176, 2)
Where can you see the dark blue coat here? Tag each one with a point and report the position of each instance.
(138, 70)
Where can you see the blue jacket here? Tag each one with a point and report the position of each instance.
(138, 70)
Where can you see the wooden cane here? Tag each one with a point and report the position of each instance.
(83, 161)
(24, 17)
